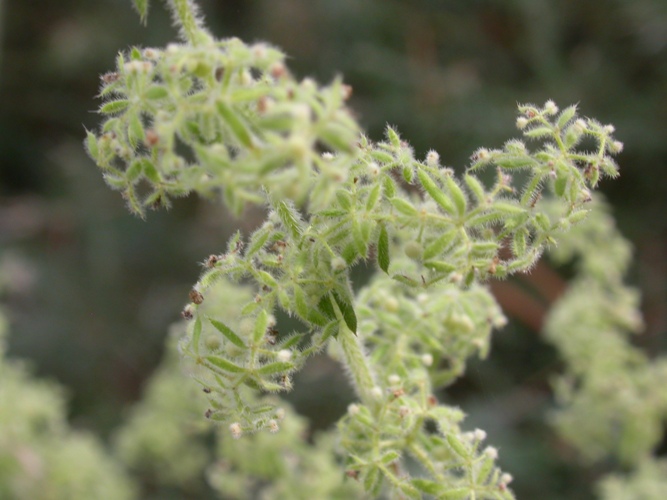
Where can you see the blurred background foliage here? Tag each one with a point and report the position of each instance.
(91, 290)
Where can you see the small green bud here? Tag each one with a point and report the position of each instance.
(414, 250)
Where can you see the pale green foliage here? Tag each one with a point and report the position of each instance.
(647, 482)
(613, 398)
(41, 458)
(163, 437)
(166, 438)
(224, 118)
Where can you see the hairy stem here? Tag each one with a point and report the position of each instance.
(185, 15)
(357, 363)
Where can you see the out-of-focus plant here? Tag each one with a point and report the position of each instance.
(42, 458)
(227, 120)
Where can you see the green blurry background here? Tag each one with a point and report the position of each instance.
(90, 290)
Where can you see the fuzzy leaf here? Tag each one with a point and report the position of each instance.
(290, 218)
(228, 333)
(383, 249)
(476, 188)
(224, 364)
(277, 367)
(439, 245)
(457, 195)
(261, 325)
(235, 124)
(403, 206)
(347, 310)
(142, 9)
(436, 193)
(566, 115)
(113, 107)
(156, 92)
(300, 302)
(196, 335)
(326, 307)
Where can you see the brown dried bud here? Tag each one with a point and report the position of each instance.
(196, 297)
(354, 474)
(208, 413)
(188, 312)
(219, 73)
(278, 70)
(207, 390)
(110, 77)
(151, 138)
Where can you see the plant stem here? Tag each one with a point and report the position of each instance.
(185, 15)
(357, 363)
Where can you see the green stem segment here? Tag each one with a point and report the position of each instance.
(357, 363)
(185, 14)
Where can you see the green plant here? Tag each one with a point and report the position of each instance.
(227, 120)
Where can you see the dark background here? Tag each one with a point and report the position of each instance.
(90, 290)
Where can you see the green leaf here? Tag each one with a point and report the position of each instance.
(440, 266)
(394, 138)
(300, 302)
(455, 494)
(156, 92)
(266, 279)
(347, 310)
(373, 197)
(439, 245)
(457, 446)
(390, 456)
(196, 335)
(435, 192)
(389, 186)
(261, 324)
(150, 172)
(290, 218)
(457, 195)
(338, 137)
(91, 145)
(373, 480)
(228, 333)
(277, 367)
(476, 188)
(134, 171)
(326, 307)
(428, 486)
(257, 241)
(344, 199)
(510, 161)
(539, 132)
(406, 280)
(403, 206)
(236, 124)
(560, 184)
(566, 115)
(224, 364)
(383, 249)
(135, 130)
(113, 107)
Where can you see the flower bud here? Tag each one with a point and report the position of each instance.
(491, 452)
(479, 434)
(433, 158)
(236, 430)
(427, 359)
(521, 122)
(284, 355)
(273, 426)
(550, 107)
